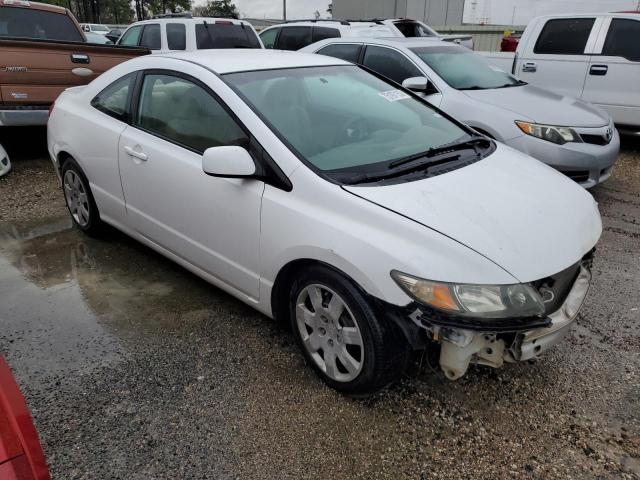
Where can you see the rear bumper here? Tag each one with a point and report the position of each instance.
(22, 117)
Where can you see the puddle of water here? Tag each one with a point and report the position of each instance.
(68, 301)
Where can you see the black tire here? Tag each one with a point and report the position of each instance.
(385, 350)
(94, 226)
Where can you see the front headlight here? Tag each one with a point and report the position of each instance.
(559, 135)
(481, 301)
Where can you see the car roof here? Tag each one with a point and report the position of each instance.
(190, 19)
(400, 42)
(589, 15)
(242, 60)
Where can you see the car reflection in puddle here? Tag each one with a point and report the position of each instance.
(73, 302)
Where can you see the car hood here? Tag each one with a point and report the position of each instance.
(519, 213)
(542, 106)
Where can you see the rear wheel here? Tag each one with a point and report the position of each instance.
(351, 348)
(79, 198)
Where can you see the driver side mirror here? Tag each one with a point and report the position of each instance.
(420, 85)
(228, 162)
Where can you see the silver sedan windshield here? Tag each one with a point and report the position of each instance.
(341, 117)
(464, 70)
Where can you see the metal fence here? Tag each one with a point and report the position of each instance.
(485, 37)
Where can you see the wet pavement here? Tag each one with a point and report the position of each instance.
(134, 368)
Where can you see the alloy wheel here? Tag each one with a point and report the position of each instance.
(76, 196)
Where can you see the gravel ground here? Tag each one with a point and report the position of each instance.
(134, 368)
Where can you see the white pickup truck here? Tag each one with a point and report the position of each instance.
(594, 57)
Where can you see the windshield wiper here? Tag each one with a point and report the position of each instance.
(473, 87)
(433, 151)
(518, 83)
(374, 177)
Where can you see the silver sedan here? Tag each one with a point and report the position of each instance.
(573, 136)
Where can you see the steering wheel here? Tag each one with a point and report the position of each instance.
(354, 130)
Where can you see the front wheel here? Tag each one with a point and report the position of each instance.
(350, 346)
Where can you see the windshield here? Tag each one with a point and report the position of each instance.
(99, 28)
(341, 117)
(225, 35)
(463, 69)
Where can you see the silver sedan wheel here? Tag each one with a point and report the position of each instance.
(329, 332)
(75, 193)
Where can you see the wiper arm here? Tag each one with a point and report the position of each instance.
(519, 83)
(432, 152)
(373, 177)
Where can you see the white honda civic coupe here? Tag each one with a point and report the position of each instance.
(325, 196)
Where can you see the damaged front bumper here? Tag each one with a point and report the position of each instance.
(492, 344)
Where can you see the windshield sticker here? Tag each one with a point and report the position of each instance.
(394, 95)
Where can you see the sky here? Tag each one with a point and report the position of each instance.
(273, 8)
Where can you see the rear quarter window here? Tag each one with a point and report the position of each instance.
(225, 35)
(176, 36)
(294, 38)
(564, 36)
(37, 24)
(320, 33)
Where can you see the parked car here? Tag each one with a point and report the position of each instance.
(5, 163)
(298, 34)
(97, 38)
(572, 136)
(94, 28)
(114, 34)
(43, 51)
(406, 27)
(295, 35)
(426, 232)
(184, 32)
(21, 456)
(595, 57)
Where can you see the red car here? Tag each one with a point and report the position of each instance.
(21, 456)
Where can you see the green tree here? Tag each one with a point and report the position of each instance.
(217, 8)
(158, 7)
(98, 11)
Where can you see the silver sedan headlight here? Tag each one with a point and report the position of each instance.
(559, 135)
(480, 301)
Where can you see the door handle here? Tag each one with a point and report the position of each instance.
(130, 151)
(80, 58)
(598, 70)
(529, 66)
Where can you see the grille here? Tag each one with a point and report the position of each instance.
(577, 175)
(595, 139)
(554, 289)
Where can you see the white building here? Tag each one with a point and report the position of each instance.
(457, 12)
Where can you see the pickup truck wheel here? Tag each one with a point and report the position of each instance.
(350, 347)
(79, 199)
